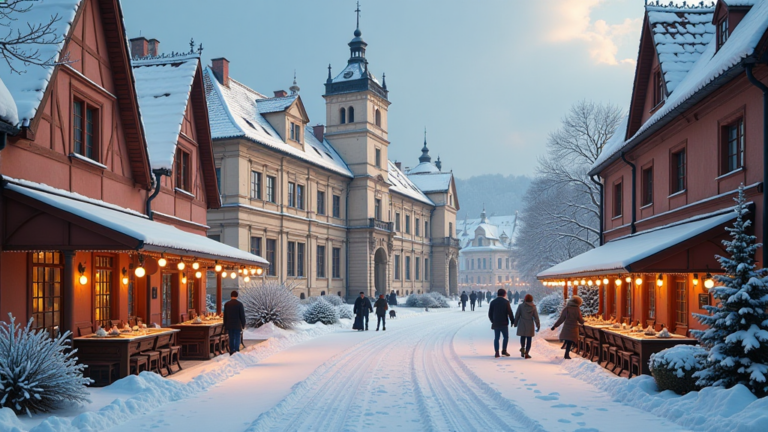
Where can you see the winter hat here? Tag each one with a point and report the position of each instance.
(528, 298)
(576, 299)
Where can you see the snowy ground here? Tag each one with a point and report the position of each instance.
(430, 371)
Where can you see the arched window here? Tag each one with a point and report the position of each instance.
(351, 115)
(343, 115)
(301, 296)
(378, 117)
(322, 293)
(479, 241)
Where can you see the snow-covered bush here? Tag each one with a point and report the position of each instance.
(345, 311)
(673, 368)
(551, 303)
(334, 300)
(321, 311)
(38, 372)
(440, 300)
(269, 301)
(737, 326)
(591, 297)
(429, 300)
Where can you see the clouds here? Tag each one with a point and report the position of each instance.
(572, 21)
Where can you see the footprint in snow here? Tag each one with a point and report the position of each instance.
(549, 397)
(562, 405)
(577, 414)
(602, 409)
(563, 421)
(581, 423)
(537, 391)
(531, 385)
(587, 430)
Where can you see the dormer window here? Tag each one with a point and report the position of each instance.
(182, 170)
(342, 116)
(658, 88)
(351, 112)
(722, 32)
(84, 126)
(295, 132)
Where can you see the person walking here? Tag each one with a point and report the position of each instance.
(381, 312)
(570, 318)
(500, 314)
(234, 321)
(480, 296)
(464, 299)
(472, 300)
(517, 297)
(525, 318)
(361, 310)
(488, 296)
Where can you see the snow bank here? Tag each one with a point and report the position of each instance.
(713, 409)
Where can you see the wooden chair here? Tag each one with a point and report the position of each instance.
(613, 352)
(634, 360)
(592, 345)
(224, 343)
(192, 314)
(146, 348)
(183, 317)
(162, 345)
(625, 355)
(215, 345)
(103, 373)
(84, 330)
(175, 356)
(137, 361)
(581, 346)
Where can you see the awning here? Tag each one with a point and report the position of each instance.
(93, 224)
(634, 253)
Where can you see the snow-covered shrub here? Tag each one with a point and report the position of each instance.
(737, 326)
(673, 368)
(429, 300)
(551, 303)
(38, 372)
(591, 297)
(321, 311)
(308, 301)
(440, 300)
(345, 311)
(269, 301)
(334, 300)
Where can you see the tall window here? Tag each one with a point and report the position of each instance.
(295, 132)
(377, 209)
(397, 221)
(342, 116)
(46, 290)
(102, 299)
(479, 241)
(417, 226)
(256, 245)
(378, 117)
(658, 88)
(507, 263)
(617, 199)
(378, 158)
(218, 179)
(300, 196)
(291, 259)
(84, 127)
(300, 259)
(336, 263)
(722, 32)
(336, 206)
(271, 189)
(271, 247)
(652, 302)
(681, 303)
(450, 229)
(733, 146)
(320, 202)
(183, 170)
(678, 171)
(473, 264)
(255, 185)
(485, 263)
(647, 188)
(397, 267)
(499, 264)
(166, 298)
(351, 114)
(417, 268)
(407, 268)
(407, 224)
(321, 261)
(426, 268)
(426, 228)
(291, 194)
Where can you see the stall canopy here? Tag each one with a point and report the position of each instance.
(643, 251)
(40, 217)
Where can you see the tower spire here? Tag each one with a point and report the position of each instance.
(295, 87)
(357, 11)
(425, 157)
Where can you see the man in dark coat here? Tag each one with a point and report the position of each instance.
(362, 308)
(480, 297)
(393, 299)
(234, 321)
(488, 296)
(464, 299)
(517, 297)
(381, 312)
(472, 300)
(500, 314)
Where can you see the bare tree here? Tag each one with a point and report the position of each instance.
(22, 39)
(562, 206)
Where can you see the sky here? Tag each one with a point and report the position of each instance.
(488, 79)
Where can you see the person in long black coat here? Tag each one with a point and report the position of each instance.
(480, 297)
(517, 297)
(472, 299)
(500, 314)
(234, 321)
(464, 299)
(381, 312)
(488, 296)
(362, 308)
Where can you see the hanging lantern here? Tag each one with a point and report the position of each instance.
(162, 262)
(259, 271)
(569, 283)
(709, 283)
(198, 274)
(218, 268)
(233, 275)
(695, 279)
(180, 265)
(125, 276)
(253, 271)
(139, 272)
(660, 280)
(583, 282)
(638, 281)
(618, 282)
(195, 265)
(247, 279)
(589, 282)
(184, 279)
(598, 282)
(605, 281)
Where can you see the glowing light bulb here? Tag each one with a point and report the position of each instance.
(184, 279)
(638, 281)
(198, 274)
(218, 268)
(628, 279)
(583, 282)
(259, 271)
(180, 265)
(618, 282)
(709, 284)
(589, 283)
(140, 272)
(125, 281)
(162, 262)
(605, 281)
(246, 279)
(659, 282)
(598, 282)
(195, 265)
(233, 275)
(83, 279)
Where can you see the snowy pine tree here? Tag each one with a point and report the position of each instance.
(737, 333)
(270, 301)
(345, 311)
(321, 311)
(38, 372)
(591, 297)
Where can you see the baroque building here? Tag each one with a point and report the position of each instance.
(485, 260)
(323, 204)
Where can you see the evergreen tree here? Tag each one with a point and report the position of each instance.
(591, 297)
(737, 333)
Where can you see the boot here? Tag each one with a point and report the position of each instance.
(522, 352)
(384, 329)
(526, 355)
(377, 329)
(567, 357)
(497, 354)
(505, 353)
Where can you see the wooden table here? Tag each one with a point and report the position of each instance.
(115, 349)
(644, 345)
(195, 339)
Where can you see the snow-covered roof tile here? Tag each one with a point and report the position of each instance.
(163, 87)
(712, 64)
(8, 111)
(400, 183)
(423, 167)
(272, 105)
(438, 182)
(503, 225)
(27, 88)
(233, 111)
(353, 71)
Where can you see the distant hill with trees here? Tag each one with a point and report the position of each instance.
(502, 195)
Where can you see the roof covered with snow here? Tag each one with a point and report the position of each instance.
(234, 111)
(423, 168)
(154, 236)
(354, 71)
(8, 111)
(502, 226)
(711, 65)
(437, 182)
(619, 255)
(27, 88)
(163, 87)
(400, 183)
(278, 104)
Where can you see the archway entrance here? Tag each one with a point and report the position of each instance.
(380, 271)
(453, 277)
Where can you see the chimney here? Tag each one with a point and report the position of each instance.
(221, 70)
(399, 165)
(153, 48)
(280, 93)
(139, 47)
(319, 132)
